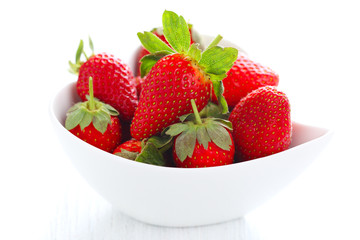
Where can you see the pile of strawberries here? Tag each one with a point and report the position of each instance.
(186, 106)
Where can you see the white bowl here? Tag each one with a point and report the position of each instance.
(185, 197)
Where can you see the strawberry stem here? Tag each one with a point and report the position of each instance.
(215, 42)
(85, 55)
(196, 113)
(91, 93)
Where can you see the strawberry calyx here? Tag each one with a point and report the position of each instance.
(127, 154)
(214, 61)
(192, 128)
(75, 66)
(91, 111)
(152, 150)
(213, 110)
(194, 35)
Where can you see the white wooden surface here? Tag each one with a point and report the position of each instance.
(314, 45)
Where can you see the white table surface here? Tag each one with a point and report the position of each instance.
(313, 45)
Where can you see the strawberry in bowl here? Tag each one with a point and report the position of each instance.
(94, 122)
(176, 74)
(262, 123)
(114, 82)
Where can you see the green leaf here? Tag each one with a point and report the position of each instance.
(176, 129)
(148, 61)
(87, 119)
(152, 43)
(195, 52)
(217, 60)
(160, 141)
(101, 120)
(225, 123)
(127, 154)
(185, 144)
(79, 51)
(223, 104)
(112, 111)
(219, 135)
(218, 78)
(219, 90)
(74, 108)
(91, 44)
(187, 117)
(202, 136)
(215, 42)
(176, 31)
(151, 155)
(213, 110)
(74, 118)
(73, 68)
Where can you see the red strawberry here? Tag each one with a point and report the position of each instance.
(139, 82)
(129, 149)
(210, 157)
(261, 123)
(95, 123)
(244, 77)
(113, 81)
(167, 96)
(141, 52)
(203, 142)
(177, 75)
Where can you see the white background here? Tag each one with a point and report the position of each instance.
(313, 45)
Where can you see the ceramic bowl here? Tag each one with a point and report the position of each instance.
(170, 196)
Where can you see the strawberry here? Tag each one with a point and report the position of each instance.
(94, 122)
(129, 149)
(177, 74)
(261, 123)
(139, 82)
(244, 77)
(152, 151)
(141, 52)
(203, 142)
(113, 81)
